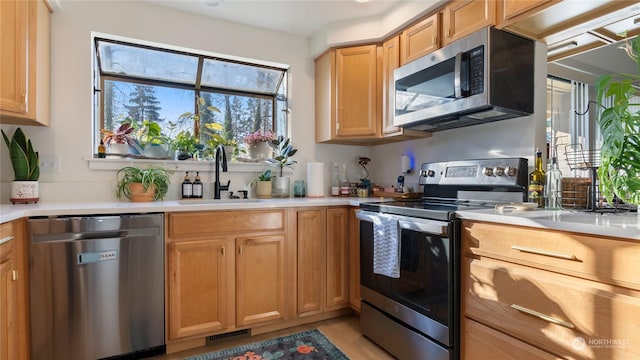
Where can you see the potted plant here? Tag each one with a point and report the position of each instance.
(619, 171)
(140, 185)
(26, 168)
(257, 144)
(263, 185)
(230, 146)
(282, 153)
(184, 145)
(119, 140)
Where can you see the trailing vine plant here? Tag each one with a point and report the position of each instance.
(619, 171)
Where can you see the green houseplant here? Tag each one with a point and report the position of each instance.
(619, 171)
(139, 185)
(263, 185)
(26, 167)
(282, 153)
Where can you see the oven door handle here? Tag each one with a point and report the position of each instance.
(404, 222)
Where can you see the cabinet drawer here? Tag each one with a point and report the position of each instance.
(482, 342)
(570, 317)
(194, 224)
(609, 260)
(6, 232)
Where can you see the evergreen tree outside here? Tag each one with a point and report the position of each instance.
(144, 105)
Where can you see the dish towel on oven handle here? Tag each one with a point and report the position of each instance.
(386, 246)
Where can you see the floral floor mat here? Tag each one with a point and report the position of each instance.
(308, 345)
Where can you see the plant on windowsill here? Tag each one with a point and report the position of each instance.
(119, 140)
(210, 128)
(184, 144)
(257, 144)
(141, 185)
(263, 185)
(282, 153)
(619, 171)
(26, 168)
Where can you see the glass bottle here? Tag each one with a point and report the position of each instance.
(553, 186)
(335, 181)
(345, 186)
(102, 150)
(187, 187)
(537, 182)
(197, 187)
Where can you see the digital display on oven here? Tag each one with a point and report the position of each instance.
(461, 171)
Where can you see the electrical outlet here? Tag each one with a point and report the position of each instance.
(49, 164)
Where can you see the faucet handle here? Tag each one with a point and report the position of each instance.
(225, 187)
(244, 193)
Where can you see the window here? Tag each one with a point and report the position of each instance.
(184, 101)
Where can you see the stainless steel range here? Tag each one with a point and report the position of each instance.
(410, 255)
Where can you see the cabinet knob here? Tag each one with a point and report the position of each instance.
(14, 275)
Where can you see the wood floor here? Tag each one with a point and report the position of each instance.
(344, 332)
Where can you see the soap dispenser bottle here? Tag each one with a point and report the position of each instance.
(187, 187)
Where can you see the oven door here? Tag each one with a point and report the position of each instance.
(422, 297)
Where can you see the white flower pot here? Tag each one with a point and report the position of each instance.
(118, 149)
(24, 192)
(259, 151)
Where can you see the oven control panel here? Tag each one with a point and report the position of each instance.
(499, 171)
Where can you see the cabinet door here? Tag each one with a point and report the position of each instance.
(311, 231)
(511, 10)
(420, 39)
(8, 303)
(357, 94)
(24, 74)
(337, 279)
(462, 17)
(260, 286)
(354, 260)
(201, 287)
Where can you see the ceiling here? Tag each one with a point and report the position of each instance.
(299, 17)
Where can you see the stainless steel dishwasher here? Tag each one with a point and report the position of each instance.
(97, 286)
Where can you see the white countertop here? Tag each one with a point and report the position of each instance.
(624, 225)
(11, 212)
(621, 224)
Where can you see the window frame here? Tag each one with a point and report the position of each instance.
(100, 77)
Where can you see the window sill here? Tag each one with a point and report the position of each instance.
(180, 165)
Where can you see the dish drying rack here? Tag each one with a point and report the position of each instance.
(585, 160)
(589, 160)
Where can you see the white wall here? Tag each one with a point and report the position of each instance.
(70, 135)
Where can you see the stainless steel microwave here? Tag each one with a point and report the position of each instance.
(485, 76)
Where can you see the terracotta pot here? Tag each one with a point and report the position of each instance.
(139, 195)
(263, 189)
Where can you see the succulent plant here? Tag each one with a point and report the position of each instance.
(24, 159)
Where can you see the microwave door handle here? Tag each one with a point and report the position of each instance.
(457, 72)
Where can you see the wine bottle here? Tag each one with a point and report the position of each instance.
(537, 182)
(553, 186)
(335, 181)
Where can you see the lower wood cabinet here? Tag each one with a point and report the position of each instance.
(561, 295)
(354, 260)
(14, 304)
(323, 259)
(225, 276)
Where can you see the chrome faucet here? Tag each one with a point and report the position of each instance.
(216, 185)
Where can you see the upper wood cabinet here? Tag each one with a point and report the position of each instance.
(419, 39)
(510, 11)
(348, 95)
(462, 17)
(25, 59)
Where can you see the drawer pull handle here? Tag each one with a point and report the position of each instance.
(6, 238)
(545, 253)
(543, 316)
(222, 251)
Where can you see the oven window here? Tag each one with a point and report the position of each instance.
(425, 271)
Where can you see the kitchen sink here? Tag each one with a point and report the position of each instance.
(217, 201)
